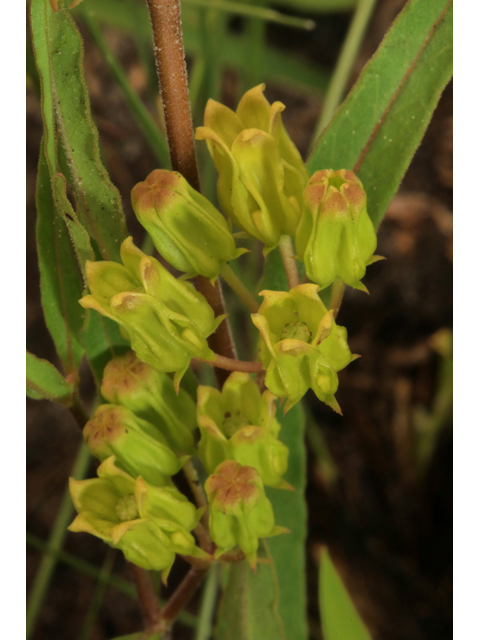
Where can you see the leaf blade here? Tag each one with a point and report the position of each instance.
(340, 619)
(60, 281)
(44, 381)
(98, 201)
(352, 138)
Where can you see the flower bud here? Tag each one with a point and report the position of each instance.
(240, 512)
(139, 446)
(238, 423)
(149, 524)
(150, 395)
(185, 227)
(302, 346)
(261, 175)
(336, 238)
(166, 320)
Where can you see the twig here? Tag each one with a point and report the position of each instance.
(230, 364)
(146, 595)
(288, 257)
(179, 599)
(172, 75)
(201, 530)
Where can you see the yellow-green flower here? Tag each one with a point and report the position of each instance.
(240, 512)
(149, 524)
(261, 175)
(238, 423)
(166, 319)
(139, 446)
(151, 395)
(185, 227)
(335, 238)
(302, 347)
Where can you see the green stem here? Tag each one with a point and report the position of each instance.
(55, 541)
(288, 257)
(344, 67)
(151, 132)
(207, 606)
(240, 289)
(338, 289)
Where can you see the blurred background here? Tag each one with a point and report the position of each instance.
(380, 477)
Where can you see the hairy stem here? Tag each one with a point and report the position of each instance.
(172, 75)
(230, 364)
(288, 257)
(239, 288)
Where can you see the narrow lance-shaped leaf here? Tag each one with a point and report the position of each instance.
(98, 201)
(377, 129)
(78, 233)
(340, 619)
(249, 606)
(44, 381)
(60, 280)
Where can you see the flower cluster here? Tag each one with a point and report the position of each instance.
(146, 430)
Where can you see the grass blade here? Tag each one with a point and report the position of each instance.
(57, 536)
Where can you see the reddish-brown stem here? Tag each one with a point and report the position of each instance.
(179, 598)
(172, 75)
(146, 595)
(230, 364)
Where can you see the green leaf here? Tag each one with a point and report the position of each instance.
(379, 126)
(248, 610)
(59, 57)
(44, 381)
(102, 341)
(340, 619)
(78, 233)
(60, 280)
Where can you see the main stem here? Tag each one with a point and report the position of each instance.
(172, 76)
(289, 263)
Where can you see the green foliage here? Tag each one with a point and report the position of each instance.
(397, 92)
(340, 620)
(44, 381)
(60, 279)
(249, 604)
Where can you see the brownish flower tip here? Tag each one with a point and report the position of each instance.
(232, 484)
(315, 193)
(122, 375)
(155, 191)
(355, 196)
(107, 424)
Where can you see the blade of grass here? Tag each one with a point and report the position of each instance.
(82, 566)
(346, 60)
(259, 13)
(63, 518)
(98, 594)
(207, 606)
(151, 132)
